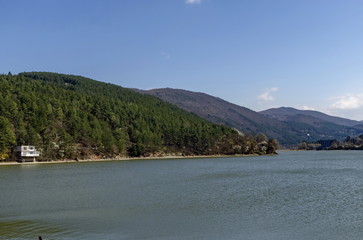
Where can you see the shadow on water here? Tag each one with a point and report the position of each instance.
(28, 230)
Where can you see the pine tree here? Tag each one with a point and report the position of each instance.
(7, 138)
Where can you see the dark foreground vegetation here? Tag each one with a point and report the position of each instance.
(68, 117)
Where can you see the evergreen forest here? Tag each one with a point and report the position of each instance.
(73, 117)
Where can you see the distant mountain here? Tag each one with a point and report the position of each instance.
(220, 111)
(284, 113)
(288, 130)
(213, 109)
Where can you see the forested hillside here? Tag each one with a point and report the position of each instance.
(71, 117)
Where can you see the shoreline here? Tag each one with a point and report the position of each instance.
(127, 159)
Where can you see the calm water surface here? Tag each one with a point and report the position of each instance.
(296, 195)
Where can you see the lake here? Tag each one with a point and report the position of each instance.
(295, 195)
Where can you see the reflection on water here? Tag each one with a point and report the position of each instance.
(296, 195)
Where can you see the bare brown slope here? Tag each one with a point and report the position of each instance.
(288, 131)
(222, 112)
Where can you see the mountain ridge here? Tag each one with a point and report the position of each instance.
(291, 130)
(282, 112)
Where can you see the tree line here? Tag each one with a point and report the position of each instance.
(69, 117)
(349, 143)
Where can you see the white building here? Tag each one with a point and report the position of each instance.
(26, 153)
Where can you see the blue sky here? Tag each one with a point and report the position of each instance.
(258, 54)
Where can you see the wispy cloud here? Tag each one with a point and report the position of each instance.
(266, 96)
(193, 1)
(166, 56)
(316, 108)
(307, 108)
(348, 101)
